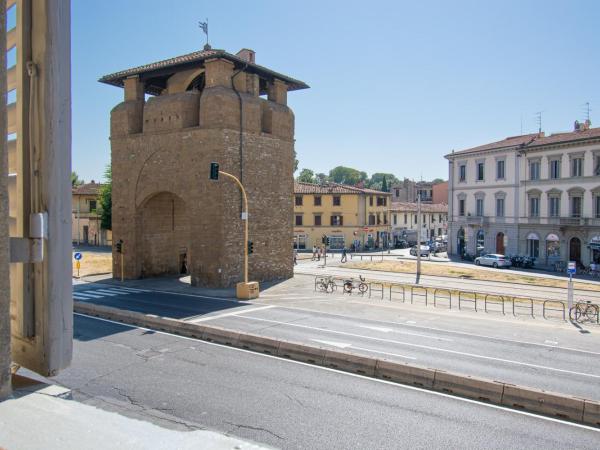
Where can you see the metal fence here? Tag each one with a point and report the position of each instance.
(463, 299)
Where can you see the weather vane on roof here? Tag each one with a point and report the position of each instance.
(204, 27)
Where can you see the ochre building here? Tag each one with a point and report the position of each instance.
(179, 115)
(351, 217)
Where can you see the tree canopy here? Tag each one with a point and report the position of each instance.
(306, 176)
(106, 199)
(75, 180)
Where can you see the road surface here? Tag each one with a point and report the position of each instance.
(180, 382)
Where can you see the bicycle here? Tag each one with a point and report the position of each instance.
(349, 285)
(326, 284)
(584, 312)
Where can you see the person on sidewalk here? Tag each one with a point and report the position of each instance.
(295, 257)
(314, 255)
(319, 254)
(344, 255)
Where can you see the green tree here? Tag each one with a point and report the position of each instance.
(295, 162)
(438, 181)
(106, 199)
(376, 181)
(346, 175)
(75, 180)
(306, 176)
(321, 178)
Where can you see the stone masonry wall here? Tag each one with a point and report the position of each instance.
(176, 160)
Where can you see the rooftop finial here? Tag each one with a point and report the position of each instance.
(204, 27)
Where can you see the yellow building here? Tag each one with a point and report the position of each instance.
(86, 225)
(351, 217)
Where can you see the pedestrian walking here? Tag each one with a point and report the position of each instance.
(314, 255)
(319, 254)
(344, 255)
(295, 257)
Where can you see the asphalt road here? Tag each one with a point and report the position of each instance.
(190, 383)
(555, 357)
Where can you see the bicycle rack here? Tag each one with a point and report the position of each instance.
(499, 300)
(528, 305)
(422, 293)
(461, 299)
(379, 288)
(392, 291)
(436, 297)
(561, 309)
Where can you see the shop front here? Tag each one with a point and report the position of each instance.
(594, 246)
(553, 253)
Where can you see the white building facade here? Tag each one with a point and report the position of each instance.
(434, 221)
(530, 195)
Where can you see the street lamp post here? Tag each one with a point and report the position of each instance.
(418, 237)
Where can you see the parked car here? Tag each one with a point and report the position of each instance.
(424, 250)
(493, 260)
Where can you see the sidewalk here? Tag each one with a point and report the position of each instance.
(41, 416)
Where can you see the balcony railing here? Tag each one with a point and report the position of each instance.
(477, 220)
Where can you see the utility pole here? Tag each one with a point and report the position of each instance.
(418, 236)
(244, 290)
(78, 214)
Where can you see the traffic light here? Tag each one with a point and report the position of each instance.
(323, 239)
(328, 241)
(120, 246)
(214, 171)
(250, 247)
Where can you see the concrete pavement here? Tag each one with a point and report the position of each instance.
(288, 404)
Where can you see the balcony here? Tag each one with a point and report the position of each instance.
(574, 221)
(477, 220)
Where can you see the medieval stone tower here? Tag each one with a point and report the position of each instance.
(177, 117)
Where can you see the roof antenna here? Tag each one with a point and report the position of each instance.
(539, 121)
(587, 112)
(204, 27)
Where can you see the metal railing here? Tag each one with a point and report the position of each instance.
(467, 297)
(562, 308)
(419, 292)
(493, 299)
(442, 294)
(377, 287)
(394, 290)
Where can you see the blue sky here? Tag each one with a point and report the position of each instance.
(394, 85)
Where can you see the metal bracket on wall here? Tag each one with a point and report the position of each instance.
(30, 250)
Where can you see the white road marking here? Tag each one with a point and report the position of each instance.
(389, 330)
(232, 313)
(410, 323)
(427, 347)
(119, 291)
(106, 292)
(550, 342)
(79, 297)
(356, 375)
(344, 345)
(87, 294)
(131, 289)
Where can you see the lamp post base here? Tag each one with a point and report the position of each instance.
(246, 291)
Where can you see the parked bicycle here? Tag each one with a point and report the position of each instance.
(584, 312)
(350, 285)
(326, 284)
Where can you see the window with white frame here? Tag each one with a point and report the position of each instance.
(577, 166)
(554, 205)
(534, 206)
(534, 169)
(480, 170)
(461, 207)
(576, 205)
(500, 164)
(479, 207)
(500, 207)
(462, 172)
(554, 170)
(597, 206)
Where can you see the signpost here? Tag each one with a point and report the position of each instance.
(571, 270)
(77, 256)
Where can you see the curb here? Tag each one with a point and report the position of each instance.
(496, 392)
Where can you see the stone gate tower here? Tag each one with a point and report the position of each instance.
(178, 116)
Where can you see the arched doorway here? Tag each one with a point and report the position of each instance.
(575, 249)
(500, 243)
(164, 235)
(461, 244)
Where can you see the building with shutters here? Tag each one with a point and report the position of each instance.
(86, 227)
(533, 195)
(404, 217)
(351, 217)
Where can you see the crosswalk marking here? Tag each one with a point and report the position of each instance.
(106, 292)
(88, 294)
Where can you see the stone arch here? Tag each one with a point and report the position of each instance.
(183, 81)
(163, 235)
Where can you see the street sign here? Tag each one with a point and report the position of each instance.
(78, 265)
(571, 268)
(77, 256)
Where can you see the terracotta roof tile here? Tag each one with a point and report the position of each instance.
(87, 189)
(534, 141)
(194, 58)
(332, 188)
